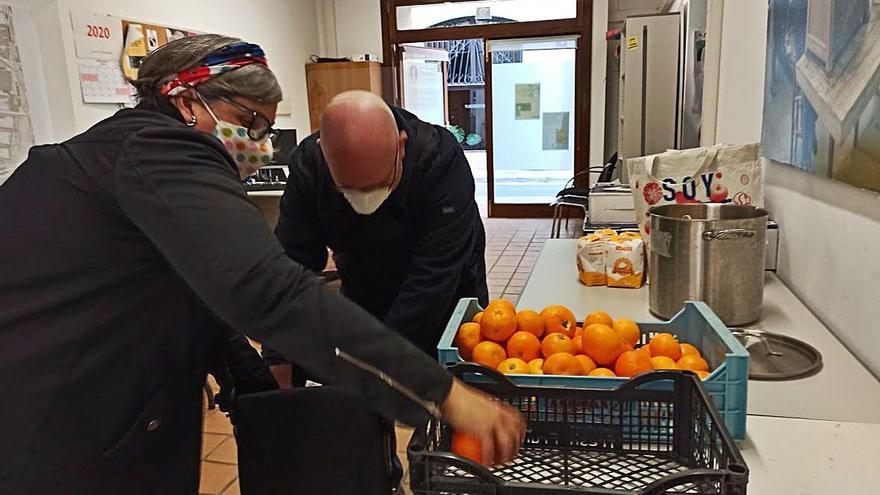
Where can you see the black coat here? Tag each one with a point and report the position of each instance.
(410, 261)
(123, 251)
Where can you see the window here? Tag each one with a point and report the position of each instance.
(436, 16)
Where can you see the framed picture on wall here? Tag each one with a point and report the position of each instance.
(822, 88)
(528, 101)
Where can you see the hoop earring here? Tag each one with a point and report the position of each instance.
(192, 121)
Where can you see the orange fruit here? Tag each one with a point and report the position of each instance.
(562, 363)
(498, 323)
(555, 343)
(530, 321)
(467, 446)
(646, 349)
(514, 366)
(592, 325)
(602, 344)
(467, 338)
(664, 344)
(598, 317)
(558, 319)
(578, 344)
(628, 330)
(693, 362)
(601, 372)
(631, 363)
(663, 363)
(502, 302)
(578, 331)
(688, 349)
(702, 374)
(477, 317)
(536, 366)
(489, 354)
(586, 363)
(523, 345)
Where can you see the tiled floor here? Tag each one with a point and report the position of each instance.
(512, 246)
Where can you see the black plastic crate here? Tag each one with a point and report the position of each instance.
(639, 439)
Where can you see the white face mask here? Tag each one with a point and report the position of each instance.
(366, 202)
(249, 155)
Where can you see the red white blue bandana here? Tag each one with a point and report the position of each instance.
(228, 58)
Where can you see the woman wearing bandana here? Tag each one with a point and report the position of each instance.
(127, 250)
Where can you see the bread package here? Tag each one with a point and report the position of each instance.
(625, 261)
(591, 257)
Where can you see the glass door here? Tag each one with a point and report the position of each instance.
(538, 104)
(455, 99)
(532, 122)
(423, 82)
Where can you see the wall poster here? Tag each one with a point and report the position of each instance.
(24, 108)
(527, 101)
(822, 89)
(555, 130)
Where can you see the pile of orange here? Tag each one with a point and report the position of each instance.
(552, 343)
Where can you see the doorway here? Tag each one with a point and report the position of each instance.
(484, 63)
(450, 74)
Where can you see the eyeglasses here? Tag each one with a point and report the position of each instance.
(258, 125)
(387, 183)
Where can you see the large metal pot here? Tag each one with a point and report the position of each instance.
(708, 252)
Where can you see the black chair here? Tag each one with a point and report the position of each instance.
(574, 197)
(310, 440)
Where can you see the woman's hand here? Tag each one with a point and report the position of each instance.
(499, 426)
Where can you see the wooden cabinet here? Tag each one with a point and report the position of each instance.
(326, 80)
(831, 24)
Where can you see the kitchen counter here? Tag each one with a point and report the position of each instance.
(789, 456)
(265, 194)
(842, 391)
(830, 452)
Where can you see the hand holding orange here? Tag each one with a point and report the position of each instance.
(467, 446)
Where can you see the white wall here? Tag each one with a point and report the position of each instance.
(741, 84)
(829, 253)
(598, 83)
(358, 27)
(830, 232)
(286, 30)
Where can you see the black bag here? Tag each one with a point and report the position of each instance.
(317, 440)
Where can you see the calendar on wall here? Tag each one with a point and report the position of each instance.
(109, 48)
(98, 41)
(102, 82)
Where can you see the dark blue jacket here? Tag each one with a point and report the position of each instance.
(409, 262)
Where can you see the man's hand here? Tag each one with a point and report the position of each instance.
(499, 426)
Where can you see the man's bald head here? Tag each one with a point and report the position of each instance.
(360, 140)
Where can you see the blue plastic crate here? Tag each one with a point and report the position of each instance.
(695, 324)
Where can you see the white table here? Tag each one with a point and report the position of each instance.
(789, 456)
(830, 452)
(843, 391)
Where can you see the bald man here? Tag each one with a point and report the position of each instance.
(393, 198)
